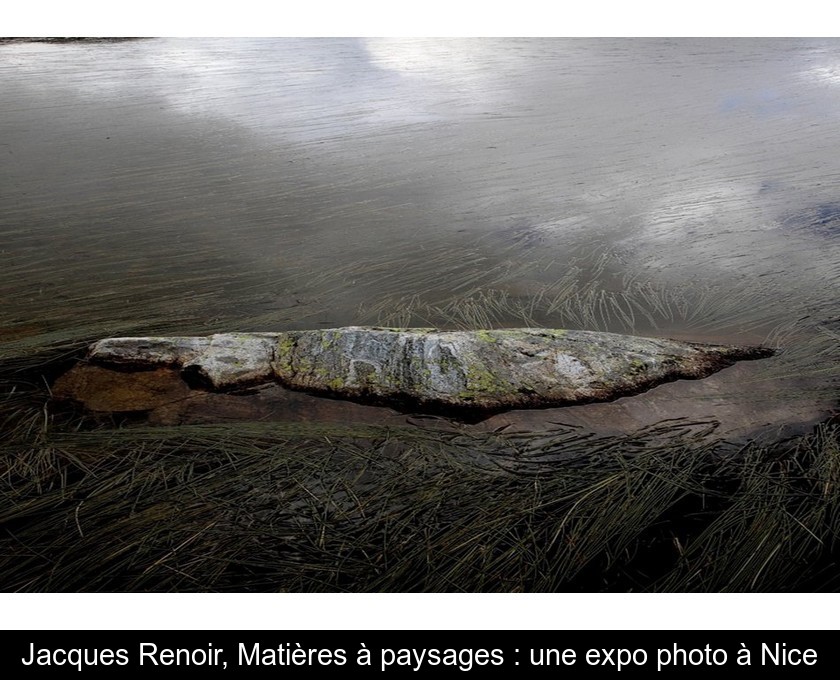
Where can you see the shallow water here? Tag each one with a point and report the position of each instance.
(194, 185)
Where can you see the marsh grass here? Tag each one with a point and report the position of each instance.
(314, 507)
(194, 230)
(318, 507)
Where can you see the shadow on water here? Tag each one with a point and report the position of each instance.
(823, 220)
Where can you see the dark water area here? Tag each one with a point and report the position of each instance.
(823, 219)
(685, 188)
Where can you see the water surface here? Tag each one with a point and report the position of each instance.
(675, 187)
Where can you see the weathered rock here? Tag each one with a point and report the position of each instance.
(232, 359)
(477, 370)
(146, 352)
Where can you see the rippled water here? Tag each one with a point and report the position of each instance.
(197, 185)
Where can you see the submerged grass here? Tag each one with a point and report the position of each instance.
(309, 507)
(314, 507)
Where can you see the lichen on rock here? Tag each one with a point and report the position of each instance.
(491, 369)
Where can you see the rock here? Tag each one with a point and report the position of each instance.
(484, 370)
(145, 352)
(232, 359)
